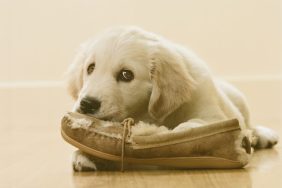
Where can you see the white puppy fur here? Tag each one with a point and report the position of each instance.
(171, 85)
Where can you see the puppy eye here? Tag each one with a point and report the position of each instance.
(90, 68)
(125, 76)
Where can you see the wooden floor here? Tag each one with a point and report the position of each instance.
(33, 154)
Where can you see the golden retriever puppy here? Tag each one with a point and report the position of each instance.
(129, 72)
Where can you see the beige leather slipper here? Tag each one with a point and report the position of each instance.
(217, 145)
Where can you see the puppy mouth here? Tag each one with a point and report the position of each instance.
(111, 117)
(104, 118)
(107, 118)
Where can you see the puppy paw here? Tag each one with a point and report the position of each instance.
(82, 163)
(265, 137)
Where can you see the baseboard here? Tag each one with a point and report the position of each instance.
(29, 103)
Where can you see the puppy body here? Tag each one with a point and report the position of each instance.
(171, 86)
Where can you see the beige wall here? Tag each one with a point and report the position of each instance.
(239, 37)
(240, 40)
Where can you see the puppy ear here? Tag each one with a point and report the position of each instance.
(75, 74)
(172, 83)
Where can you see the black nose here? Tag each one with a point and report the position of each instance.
(89, 105)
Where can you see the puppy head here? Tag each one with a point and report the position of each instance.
(110, 77)
(129, 73)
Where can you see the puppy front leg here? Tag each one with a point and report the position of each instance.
(83, 162)
(189, 124)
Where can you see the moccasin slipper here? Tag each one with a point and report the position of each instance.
(217, 145)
